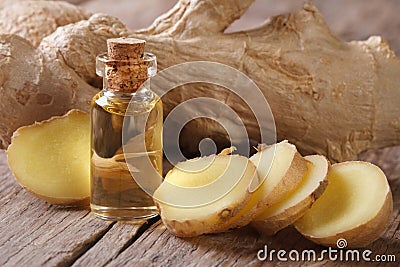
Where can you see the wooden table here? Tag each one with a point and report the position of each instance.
(34, 233)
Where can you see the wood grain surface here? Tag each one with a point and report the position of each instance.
(34, 233)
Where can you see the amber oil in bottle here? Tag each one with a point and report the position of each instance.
(126, 134)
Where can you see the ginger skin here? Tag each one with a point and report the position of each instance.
(22, 17)
(38, 83)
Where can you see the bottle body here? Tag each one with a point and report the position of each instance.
(126, 154)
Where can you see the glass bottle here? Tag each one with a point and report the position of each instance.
(126, 134)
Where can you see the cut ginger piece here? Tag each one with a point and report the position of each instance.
(356, 206)
(51, 159)
(280, 170)
(200, 195)
(293, 206)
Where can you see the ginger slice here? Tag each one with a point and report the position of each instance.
(280, 169)
(293, 206)
(51, 159)
(202, 194)
(356, 205)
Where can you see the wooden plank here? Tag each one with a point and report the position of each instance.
(157, 247)
(114, 242)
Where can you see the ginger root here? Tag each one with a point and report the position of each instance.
(38, 83)
(34, 20)
(328, 97)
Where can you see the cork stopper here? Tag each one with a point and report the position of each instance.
(125, 48)
(125, 69)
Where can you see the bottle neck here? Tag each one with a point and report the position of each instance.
(143, 94)
(127, 92)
